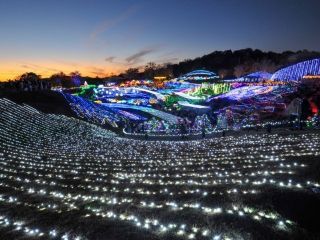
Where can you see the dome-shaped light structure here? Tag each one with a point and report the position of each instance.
(199, 75)
(255, 77)
(297, 71)
(260, 75)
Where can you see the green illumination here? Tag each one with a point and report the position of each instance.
(207, 90)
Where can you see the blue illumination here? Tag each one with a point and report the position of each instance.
(199, 75)
(257, 76)
(99, 113)
(298, 71)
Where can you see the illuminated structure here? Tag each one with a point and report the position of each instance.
(188, 97)
(208, 90)
(258, 94)
(297, 71)
(194, 107)
(99, 113)
(255, 77)
(154, 112)
(246, 92)
(160, 78)
(111, 91)
(199, 75)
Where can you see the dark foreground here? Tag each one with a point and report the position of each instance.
(62, 178)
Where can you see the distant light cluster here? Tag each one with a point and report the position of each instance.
(199, 75)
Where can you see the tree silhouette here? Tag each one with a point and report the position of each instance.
(75, 78)
(131, 73)
(149, 70)
(29, 76)
(60, 79)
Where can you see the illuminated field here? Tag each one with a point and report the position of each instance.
(62, 178)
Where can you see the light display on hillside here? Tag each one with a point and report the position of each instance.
(208, 90)
(255, 77)
(246, 92)
(256, 94)
(54, 167)
(297, 71)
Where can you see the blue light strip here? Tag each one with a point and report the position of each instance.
(298, 71)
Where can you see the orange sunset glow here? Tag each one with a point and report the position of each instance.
(10, 70)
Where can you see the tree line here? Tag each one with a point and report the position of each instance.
(227, 64)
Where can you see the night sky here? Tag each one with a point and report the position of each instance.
(103, 37)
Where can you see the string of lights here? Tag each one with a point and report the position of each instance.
(58, 166)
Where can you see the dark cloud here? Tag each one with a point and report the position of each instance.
(137, 57)
(169, 60)
(97, 71)
(37, 67)
(110, 59)
(30, 66)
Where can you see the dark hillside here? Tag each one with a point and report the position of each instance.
(44, 101)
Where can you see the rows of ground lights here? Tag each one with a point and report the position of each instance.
(176, 189)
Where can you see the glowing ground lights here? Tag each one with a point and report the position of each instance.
(53, 167)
